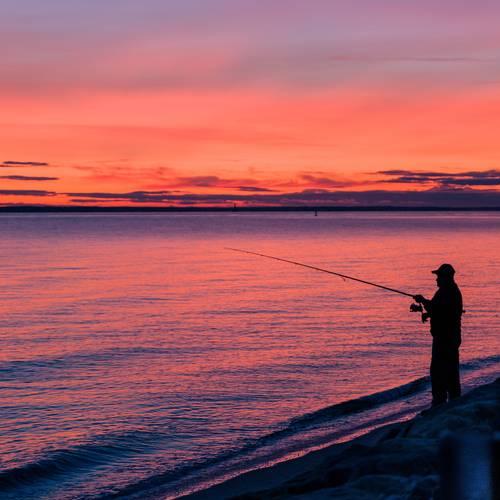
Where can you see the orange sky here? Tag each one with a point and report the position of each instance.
(250, 101)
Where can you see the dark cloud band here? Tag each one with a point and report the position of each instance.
(26, 192)
(27, 178)
(11, 163)
(308, 197)
(443, 179)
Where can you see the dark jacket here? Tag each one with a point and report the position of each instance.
(445, 310)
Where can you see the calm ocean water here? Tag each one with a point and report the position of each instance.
(141, 358)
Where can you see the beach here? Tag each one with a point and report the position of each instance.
(400, 460)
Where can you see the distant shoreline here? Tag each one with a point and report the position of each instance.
(115, 209)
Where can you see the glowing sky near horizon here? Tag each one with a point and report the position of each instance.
(210, 102)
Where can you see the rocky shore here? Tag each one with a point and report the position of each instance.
(399, 461)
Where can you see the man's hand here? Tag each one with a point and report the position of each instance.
(425, 317)
(419, 299)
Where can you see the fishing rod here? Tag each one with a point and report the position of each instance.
(345, 276)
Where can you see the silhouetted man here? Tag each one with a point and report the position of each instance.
(445, 311)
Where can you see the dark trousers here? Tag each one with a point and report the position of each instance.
(445, 376)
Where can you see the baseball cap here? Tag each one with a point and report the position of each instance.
(444, 270)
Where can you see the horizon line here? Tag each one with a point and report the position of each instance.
(312, 208)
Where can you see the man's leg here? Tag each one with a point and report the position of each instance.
(438, 376)
(453, 384)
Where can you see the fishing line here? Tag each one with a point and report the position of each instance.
(343, 276)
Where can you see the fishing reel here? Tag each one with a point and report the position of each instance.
(414, 308)
(418, 308)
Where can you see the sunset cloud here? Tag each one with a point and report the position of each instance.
(214, 181)
(255, 189)
(27, 178)
(327, 182)
(10, 163)
(136, 196)
(443, 179)
(307, 197)
(26, 192)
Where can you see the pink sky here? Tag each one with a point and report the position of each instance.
(246, 103)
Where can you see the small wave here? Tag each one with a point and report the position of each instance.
(22, 369)
(103, 451)
(478, 363)
(228, 312)
(65, 268)
(360, 404)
